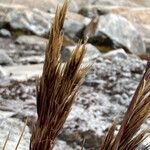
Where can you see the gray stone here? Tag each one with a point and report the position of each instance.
(71, 27)
(2, 72)
(35, 21)
(138, 16)
(74, 24)
(4, 81)
(32, 60)
(32, 41)
(5, 33)
(4, 58)
(73, 6)
(39, 22)
(119, 32)
(119, 54)
(147, 43)
(24, 72)
(130, 3)
(63, 145)
(91, 53)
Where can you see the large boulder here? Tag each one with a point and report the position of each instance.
(138, 15)
(25, 19)
(35, 21)
(116, 31)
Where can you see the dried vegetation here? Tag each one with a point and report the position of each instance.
(57, 90)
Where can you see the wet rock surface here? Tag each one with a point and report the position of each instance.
(109, 85)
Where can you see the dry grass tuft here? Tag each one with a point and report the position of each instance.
(130, 136)
(57, 88)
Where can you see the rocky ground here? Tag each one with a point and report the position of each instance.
(118, 40)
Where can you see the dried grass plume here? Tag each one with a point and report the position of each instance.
(57, 88)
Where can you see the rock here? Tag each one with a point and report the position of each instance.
(5, 6)
(2, 72)
(74, 24)
(5, 33)
(7, 44)
(144, 30)
(91, 53)
(119, 54)
(35, 21)
(136, 14)
(24, 19)
(39, 22)
(104, 8)
(116, 31)
(4, 58)
(147, 43)
(4, 81)
(66, 53)
(46, 5)
(32, 41)
(72, 27)
(114, 3)
(24, 72)
(32, 60)
(63, 145)
(3, 12)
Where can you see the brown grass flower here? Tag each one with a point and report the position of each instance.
(57, 88)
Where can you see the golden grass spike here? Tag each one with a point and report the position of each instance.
(107, 143)
(21, 135)
(136, 141)
(57, 88)
(6, 141)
